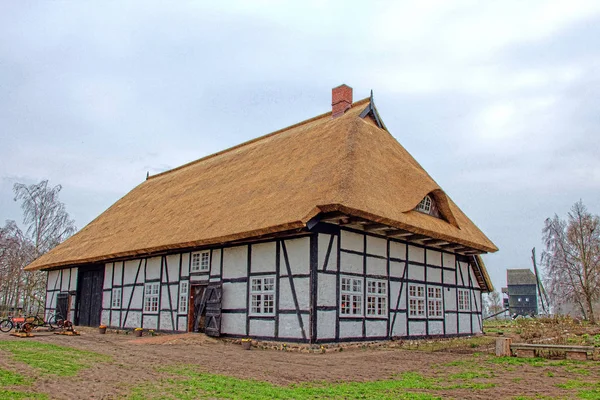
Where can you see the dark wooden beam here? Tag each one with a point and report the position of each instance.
(375, 227)
(435, 242)
(416, 237)
(451, 246)
(398, 232)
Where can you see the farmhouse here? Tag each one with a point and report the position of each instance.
(327, 230)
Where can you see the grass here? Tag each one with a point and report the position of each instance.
(51, 359)
(11, 379)
(586, 390)
(191, 384)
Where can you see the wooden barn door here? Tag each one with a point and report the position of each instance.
(90, 296)
(214, 293)
(206, 302)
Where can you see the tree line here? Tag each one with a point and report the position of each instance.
(571, 264)
(46, 224)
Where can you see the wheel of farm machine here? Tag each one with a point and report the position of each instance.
(27, 327)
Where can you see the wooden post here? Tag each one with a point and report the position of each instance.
(503, 347)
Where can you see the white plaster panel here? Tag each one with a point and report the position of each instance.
(106, 296)
(326, 324)
(434, 275)
(352, 241)
(474, 282)
(107, 275)
(377, 246)
(475, 301)
(476, 323)
(289, 326)
(397, 269)
(326, 290)
(64, 286)
(262, 327)
(136, 300)
(298, 251)
(464, 268)
(74, 272)
(215, 279)
(416, 272)
(451, 324)
(416, 254)
(436, 328)
(53, 280)
(172, 267)
(150, 321)
(118, 274)
(394, 288)
(449, 260)
(263, 257)
(434, 257)
(416, 328)
(323, 246)
(376, 266)
(234, 324)
(450, 299)
(134, 319)
(182, 324)
(115, 319)
(153, 268)
(375, 328)
(397, 250)
(351, 263)
(131, 268)
(234, 295)
(185, 264)
(302, 286)
(215, 264)
(164, 296)
(235, 262)
(350, 329)
(105, 317)
(464, 325)
(449, 277)
(166, 323)
(49, 300)
(399, 328)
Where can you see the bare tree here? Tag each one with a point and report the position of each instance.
(45, 216)
(48, 224)
(572, 258)
(493, 303)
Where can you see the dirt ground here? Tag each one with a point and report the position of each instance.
(135, 360)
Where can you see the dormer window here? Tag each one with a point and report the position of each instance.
(425, 205)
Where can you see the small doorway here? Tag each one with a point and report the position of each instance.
(197, 313)
(62, 306)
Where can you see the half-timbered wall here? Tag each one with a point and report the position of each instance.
(308, 273)
(60, 281)
(398, 265)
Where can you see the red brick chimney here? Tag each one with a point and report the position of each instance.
(341, 100)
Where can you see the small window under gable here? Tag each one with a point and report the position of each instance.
(425, 205)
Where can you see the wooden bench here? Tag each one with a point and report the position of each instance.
(531, 350)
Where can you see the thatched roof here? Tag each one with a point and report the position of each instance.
(520, 277)
(274, 183)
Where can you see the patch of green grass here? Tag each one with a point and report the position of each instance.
(588, 390)
(51, 359)
(534, 361)
(471, 375)
(12, 395)
(191, 384)
(9, 378)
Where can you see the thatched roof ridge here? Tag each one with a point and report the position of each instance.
(274, 183)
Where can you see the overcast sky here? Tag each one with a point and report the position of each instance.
(499, 101)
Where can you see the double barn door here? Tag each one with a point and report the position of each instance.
(89, 306)
(205, 309)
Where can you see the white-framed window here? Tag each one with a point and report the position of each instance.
(351, 296)
(200, 261)
(151, 292)
(416, 300)
(376, 297)
(262, 295)
(425, 205)
(116, 298)
(464, 303)
(434, 301)
(183, 297)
